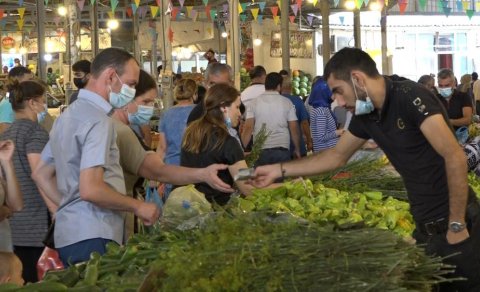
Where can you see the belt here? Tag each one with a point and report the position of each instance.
(433, 227)
(277, 148)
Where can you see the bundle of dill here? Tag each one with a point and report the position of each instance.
(257, 146)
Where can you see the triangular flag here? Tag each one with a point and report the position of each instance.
(477, 6)
(92, 2)
(423, 4)
(470, 13)
(159, 2)
(194, 15)
(213, 14)
(459, 5)
(299, 3)
(261, 5)
(240, 9)
(144, 11)
(170, 34)
(114, 4)
(189, 10)
(292, 18)
(244, 6)
(56, 19)
(225, 7)
(205, 2)
(20, 24)
(207, 11)
(1, 13)
(80, 4)
(137, 3)
(402, 5)
(274, 10)
(276, 19)
(366, 2)
(243, 17)
(169, 7)
(153, 10)
(254, 13)
(181, 2)
(134, 8)
(21, 12)
(342, 19)
(20, 3)
(447, 11)
(175, 11)
(310, 20)
(129, 11)
(260, 19)
(279, 4)
(466, 5)
(46, 2)
(358, 4)
(335, 3)
(110, 14)
(315, 3)
(294, 9)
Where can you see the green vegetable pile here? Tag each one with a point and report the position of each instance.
(254, 252)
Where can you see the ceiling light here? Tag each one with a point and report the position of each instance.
(257, 42)
(224, 34)
(112, 24)
(62, 10)
(350, 5)
(47, 57)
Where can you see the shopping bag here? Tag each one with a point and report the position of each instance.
(49, 260)
(152, 196)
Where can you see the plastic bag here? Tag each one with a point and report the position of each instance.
(462, 135)
(49, 260)
(152, 196)
(184, 203)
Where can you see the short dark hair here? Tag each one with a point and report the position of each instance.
(283, 72)
(446, 73)
(111, 58)
(273, 80)
(145, 83)
(218, 68)
(19, 93)
(18, 71)
(424, 79)
(82, 66)
(348, 59)
(474, 76)
(257, 71)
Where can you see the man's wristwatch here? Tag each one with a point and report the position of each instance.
(456, 227)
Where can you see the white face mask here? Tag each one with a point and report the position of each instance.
(122, 98)
(362, 107)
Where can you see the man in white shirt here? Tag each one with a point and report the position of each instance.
(257, 85)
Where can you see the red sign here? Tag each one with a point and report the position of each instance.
(8, 43)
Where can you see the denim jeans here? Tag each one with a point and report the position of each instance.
(80, 251)
(273, 155)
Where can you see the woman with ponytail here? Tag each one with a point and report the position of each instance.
(30, 225)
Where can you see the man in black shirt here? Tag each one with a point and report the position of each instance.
(458, 104)
(410, 125)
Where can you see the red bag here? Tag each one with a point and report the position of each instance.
(49, 260)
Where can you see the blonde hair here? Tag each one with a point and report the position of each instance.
(185, 89)
(465, 82)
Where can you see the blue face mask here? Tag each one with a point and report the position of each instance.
(362, 107)
(142, 116)
(125, 96)
(41, 115)
(228, 120)
(445, 92)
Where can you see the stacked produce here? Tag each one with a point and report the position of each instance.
(254, 252)
(301, 83)
(244, 78)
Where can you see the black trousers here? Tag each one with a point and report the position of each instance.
(466, 254)
(29, 256)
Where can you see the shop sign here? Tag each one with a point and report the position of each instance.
(301, 44)
(8, 43)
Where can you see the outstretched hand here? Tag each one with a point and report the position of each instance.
(265, 175)
(6, 150)
(212, 179)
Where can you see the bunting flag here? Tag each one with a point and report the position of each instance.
(402, 4)
(92, 2)
(144, 11)
(342, 19)
(478, 6)
(153, 10)
(274, 10)
(56, 19)
(46, 2)
(299, 3)
(447, 11)
(110, 14)
(279, 4)
(134, 8)
(129, 11)
(459, 5)
(243, 17)
(261, 5)
(470, 13)
(179, 1)
(358, 4)
(254, 13)
(294, 9)
(292, 19)
(336, 2)
(3, 23)
(114, 4)
(225, 7)
(170, 35)
(240, 9)
(213, 14)
(466, 5)
(310, 20)
(1, 13)
(21, 12)
(423, 4)
(81, 4)
(159, 2)
(315, 2)
(244, 6)
(194, 15)
(189, 10)
(20, 3)
(366, 2)
(276, 19)
(260, 19)
(137, 3)
(175, 11)
(207, 11)
(20, 23)
(205, 2)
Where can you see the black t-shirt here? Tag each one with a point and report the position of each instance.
(229, 153)
(396, 129)
(196, 113)
(455, 104)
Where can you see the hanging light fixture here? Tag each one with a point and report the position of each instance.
(62, 10)
(112, 24)
(350, 5)
(257, 41)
